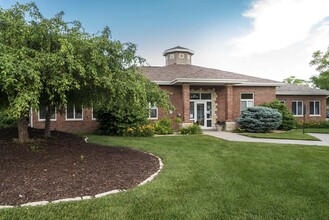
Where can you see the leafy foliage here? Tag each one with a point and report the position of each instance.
(259, 119)
(191, 129)
(116, 121)
(288, 120)
(294, 80)
(52, 62)
(140, 131)
(163, 126)
(321, 61)
(313, 124)
(6, 121)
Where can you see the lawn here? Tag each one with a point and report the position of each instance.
(296, 134)
(317, 130)
(208, 178)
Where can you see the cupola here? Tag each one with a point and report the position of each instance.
(178, 55)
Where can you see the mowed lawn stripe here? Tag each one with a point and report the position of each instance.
(208, 178)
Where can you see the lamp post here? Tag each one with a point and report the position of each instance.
(304, 116)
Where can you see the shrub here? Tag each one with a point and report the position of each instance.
(140, 131)
(192, 129)
(6, 121)
(314, 124)
(288, 120)
(163, 126)
(115, 122)
(259, 119)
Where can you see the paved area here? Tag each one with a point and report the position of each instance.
(236, 137)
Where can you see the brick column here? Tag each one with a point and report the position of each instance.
(186, 103)
(229, 103)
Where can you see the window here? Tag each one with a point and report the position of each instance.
(172, 56)
(181, 56)
(74, 113)
(297, 108)
(42, 114)
(188, 56)
(247, 101)
(153, 112)
(202, 96)
(94, 114)
(314, 107)
(192, 110)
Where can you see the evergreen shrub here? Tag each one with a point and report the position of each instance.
(259, 119)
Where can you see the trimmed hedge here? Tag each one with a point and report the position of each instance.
(259, 119)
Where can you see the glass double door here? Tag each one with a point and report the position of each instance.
(203, 113)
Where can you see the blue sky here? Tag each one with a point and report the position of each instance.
(267, 38)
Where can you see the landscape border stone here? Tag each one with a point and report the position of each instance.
(39, 203)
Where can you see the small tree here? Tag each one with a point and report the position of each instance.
(260, 119)
(288, 120)
(321, 61)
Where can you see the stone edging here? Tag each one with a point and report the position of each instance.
(38, 203)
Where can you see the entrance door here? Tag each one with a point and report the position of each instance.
(200, 114)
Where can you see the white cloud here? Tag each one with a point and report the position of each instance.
(278, 24)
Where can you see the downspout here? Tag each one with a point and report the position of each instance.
(31, 117)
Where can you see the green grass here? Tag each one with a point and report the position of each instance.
(209, 178)
(296, 134)
(316, 130)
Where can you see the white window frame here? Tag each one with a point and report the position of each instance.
(152, 108)
(74, 119)
(181, 56)
(92, 114)
(172, 56)
(51, 119)
(247, 100)
(314, 101)
(296, 101)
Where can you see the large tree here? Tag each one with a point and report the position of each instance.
(321, 61)
(51, 62)
(20, 81)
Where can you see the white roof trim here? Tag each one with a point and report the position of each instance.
(300, 93)
(261, 84)
(235, 82)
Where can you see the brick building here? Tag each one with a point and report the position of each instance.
(204, 95)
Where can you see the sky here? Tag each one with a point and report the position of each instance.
(272, 39)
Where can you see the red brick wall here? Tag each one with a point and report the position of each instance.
(221, 103)
(86, 125)
(176, 98)
(306, 100)
(261, 95)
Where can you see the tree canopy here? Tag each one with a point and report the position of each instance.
(52, 62)
(296, 81)
(321, 61)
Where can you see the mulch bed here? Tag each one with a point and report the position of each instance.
(64, 166)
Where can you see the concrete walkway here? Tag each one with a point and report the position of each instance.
(236, 137)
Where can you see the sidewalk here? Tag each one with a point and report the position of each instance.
(236, 137)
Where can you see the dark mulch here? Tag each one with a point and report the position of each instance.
(65, 167)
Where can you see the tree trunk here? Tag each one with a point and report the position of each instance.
(23, 135)
(47, 122)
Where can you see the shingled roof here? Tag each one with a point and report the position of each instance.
(291, 89)
(173, 72)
